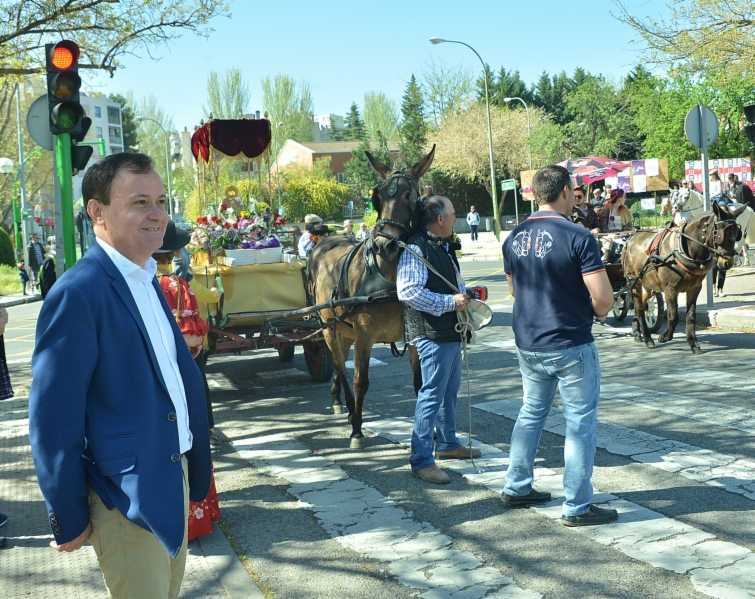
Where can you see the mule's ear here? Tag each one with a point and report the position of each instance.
(418, 170)
(738, 211)
(381, 169)
(716, 209)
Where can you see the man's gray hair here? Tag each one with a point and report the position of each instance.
(432, 208)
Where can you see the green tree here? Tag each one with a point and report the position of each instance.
(380, 116)
(509, 84)
(413, 127)
(128, 119)
(713, 37)
(360, 176)
(151, 138)
(353, 125)
(305, 191)
(289, 102)
(104, 30)
(7, 256)
(445, 89)
(227, 95)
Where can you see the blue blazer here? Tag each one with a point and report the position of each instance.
(100, 414)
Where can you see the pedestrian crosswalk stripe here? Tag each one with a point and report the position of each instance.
(360, 518)
(716, 568)
(695, 463)
(717, 378)
(701, 410)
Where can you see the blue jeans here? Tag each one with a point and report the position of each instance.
(576, 373)
(436, 402)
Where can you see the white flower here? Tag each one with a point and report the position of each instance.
(186, 313)
(198, 513)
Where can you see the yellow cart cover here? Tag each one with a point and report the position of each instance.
(258, 287)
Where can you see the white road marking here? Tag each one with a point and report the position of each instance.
(220, 381)
(507, 344)
(360, 518)
(705, 466)
(373, 362)
(717, 568)
(717, 378)
(501, 307)
(701, 410)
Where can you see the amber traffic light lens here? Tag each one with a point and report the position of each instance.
(62, 58)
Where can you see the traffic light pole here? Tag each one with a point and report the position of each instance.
(63, 166)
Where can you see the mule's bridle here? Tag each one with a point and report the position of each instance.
(392, 182)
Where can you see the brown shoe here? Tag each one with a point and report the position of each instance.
(432, 474)
(460, 453)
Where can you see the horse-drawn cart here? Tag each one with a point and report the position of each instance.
(253, 297)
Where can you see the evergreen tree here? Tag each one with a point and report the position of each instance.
(130, 135)
(509, 84)
(360, 176)
(353, 125)
(413, 126)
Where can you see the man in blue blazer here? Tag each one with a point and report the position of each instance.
(118, 419)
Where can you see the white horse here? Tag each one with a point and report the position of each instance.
(694, 206)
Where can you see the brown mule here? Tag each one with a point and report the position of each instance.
(691, 249)
(395, 202)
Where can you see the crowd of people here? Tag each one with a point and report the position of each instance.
(121, 429)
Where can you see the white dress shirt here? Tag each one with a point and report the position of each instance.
(139, 280)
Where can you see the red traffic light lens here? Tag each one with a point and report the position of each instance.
(62, 58)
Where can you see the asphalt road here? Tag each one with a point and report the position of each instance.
(311, 518)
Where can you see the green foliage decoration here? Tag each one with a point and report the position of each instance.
(7, 255)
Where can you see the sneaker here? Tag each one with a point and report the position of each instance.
(432, 474)
(460, 453)
(531, 497)
(721, 293)
(715, 292)
(3, 519)
(214, 439)
(596, 515)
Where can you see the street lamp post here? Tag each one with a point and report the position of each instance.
(167, 160)
(497, 224)
(527, 110)
(277, 167)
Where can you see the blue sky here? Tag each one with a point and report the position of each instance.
(346, 48)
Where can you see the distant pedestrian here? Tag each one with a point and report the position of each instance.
(37, 255)
(555, 272)
(716, 186)
(348, 230)
(473, 220)
(363, 232)
(23, 275)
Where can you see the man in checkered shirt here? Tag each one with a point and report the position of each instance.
(430, 321)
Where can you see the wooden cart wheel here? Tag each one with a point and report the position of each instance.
(319, 361)
(286, 353)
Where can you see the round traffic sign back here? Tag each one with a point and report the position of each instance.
(701, 126)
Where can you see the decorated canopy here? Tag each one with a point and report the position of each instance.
(233, 138)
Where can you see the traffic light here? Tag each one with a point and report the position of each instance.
(80, 155)
(63, 83)
(750, 128)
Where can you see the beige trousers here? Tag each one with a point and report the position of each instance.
(134, 563)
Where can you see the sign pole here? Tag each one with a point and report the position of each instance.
(706, 197)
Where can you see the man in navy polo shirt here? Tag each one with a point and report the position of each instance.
(555, 272)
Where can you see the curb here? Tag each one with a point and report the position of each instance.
(231, 573)
(22, 300)
(740, 319)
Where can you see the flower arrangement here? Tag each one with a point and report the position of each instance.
(215, 233)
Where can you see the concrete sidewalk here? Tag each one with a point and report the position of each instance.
(17, 299)
(30, 569)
